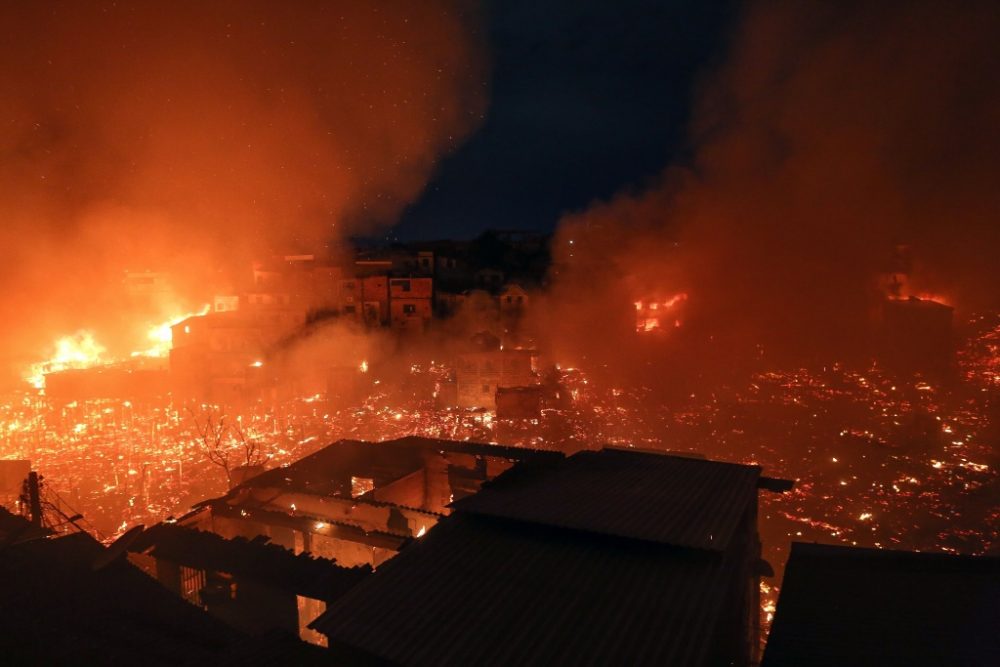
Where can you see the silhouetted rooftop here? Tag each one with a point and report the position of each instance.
(567, 561)
(479, 591)
(57, 609)
(257, 560)
(673, 500)
(846, 606)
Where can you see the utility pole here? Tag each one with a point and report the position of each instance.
(34, 501)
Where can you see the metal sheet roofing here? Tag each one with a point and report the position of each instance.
(673, 500)
(846, 606)
(57, 609)
(478, 591)
(256, 560)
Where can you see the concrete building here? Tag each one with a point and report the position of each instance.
(486, 367)
(410, 303)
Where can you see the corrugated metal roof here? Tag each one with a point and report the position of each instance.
(846, 606)
(56, 609)
(672, 500)
(255, 560)
(478, 591)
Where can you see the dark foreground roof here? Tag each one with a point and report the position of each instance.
(673, 500)
(255, 560)
(846, 606)
(57, 609)
(62, 602)
(607, 557)
(477, 591)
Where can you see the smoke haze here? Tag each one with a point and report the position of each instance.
(190, 136)
(833, 132)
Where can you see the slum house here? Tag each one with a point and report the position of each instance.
(357, 502)
(251, 585)
(850, 606)
(410, 303)
(609, 557)
(70, 601)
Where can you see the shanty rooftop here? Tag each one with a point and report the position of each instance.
(514, 583)
(848, 606)
(256, 560)
(60, 607)
(680, 501)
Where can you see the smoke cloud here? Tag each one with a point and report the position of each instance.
(188, 137)
(833, 132)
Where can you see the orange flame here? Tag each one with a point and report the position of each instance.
(160, 336)
(79, 350)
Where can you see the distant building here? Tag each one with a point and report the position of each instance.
(489, 279)
(486, 367)
(519, 402)
(849, 606)
(410, 303)
(611, 557)
(513, 301)
(216, 356)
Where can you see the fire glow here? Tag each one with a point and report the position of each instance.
(654, 314)
(81, 350)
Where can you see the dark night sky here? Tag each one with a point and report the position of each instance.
(587, 97)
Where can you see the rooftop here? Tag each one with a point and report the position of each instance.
(595, 558)
(477, 591)
(680, 501)
(58, 609)
(847, 606)
(257, 560)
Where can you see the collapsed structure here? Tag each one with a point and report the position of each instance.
(355, 504)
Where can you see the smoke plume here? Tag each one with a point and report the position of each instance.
(188, 137)
(833, 133)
